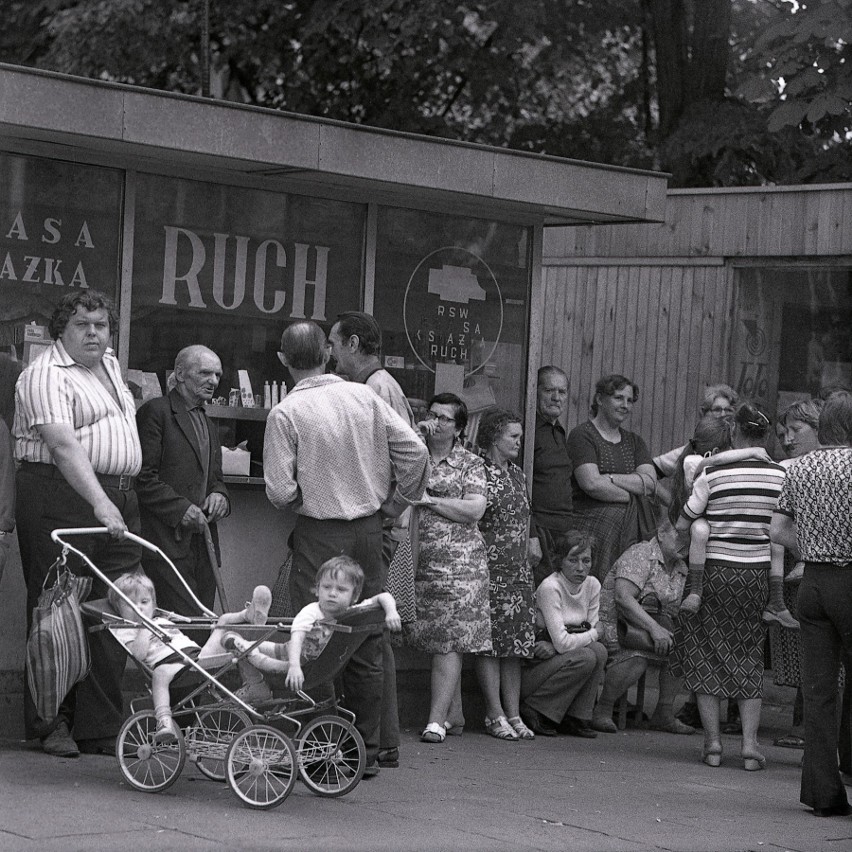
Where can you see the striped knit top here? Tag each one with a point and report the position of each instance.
(737, 500)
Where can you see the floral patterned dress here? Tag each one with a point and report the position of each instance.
(451, 574)
(504, 528)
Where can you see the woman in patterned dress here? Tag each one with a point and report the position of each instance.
(719, 649)
(613, 471)
(451, 569)
(506, 529)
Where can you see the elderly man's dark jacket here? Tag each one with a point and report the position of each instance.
(172, 475)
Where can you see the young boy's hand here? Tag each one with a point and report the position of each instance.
(393, 621)
(295, 678)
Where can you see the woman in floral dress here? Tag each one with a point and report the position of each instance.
(506, 530)
(451, 571)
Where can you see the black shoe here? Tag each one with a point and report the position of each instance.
(538, 724)
(371, 771)
(837, 810)
(99, 745)
(574, 727)
(58, 742)
(389, 758)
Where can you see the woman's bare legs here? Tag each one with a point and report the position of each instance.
(488, 671)
(510, 685)
(445, 687)
(617, 680)
(750, 717)
(708, 709)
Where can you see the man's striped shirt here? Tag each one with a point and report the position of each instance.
(56, 389)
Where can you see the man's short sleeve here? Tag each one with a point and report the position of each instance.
(44, 397)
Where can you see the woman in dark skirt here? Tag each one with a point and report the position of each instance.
(720, 648)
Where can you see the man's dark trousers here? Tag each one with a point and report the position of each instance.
(314, 542)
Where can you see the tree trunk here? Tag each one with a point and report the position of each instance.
(691, 43)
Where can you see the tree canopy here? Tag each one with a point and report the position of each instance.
(720, 92)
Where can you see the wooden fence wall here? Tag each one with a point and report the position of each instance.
(655, 302)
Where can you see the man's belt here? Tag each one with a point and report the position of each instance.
(121, 482)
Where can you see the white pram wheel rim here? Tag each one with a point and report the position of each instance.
(261, 766)
(146, 765)
(332, 756)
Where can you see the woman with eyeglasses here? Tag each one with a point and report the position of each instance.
(451, 567)
(719, 649)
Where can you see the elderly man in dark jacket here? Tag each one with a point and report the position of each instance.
(180, 486)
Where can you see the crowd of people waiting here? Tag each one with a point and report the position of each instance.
(564, 593)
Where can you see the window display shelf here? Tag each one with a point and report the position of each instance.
(230, 412)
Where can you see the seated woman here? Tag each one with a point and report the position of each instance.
(559, 687)
(650, 569)
(613, 471)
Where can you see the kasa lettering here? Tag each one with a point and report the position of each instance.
(39, 268)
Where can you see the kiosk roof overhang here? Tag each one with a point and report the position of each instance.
(129, 127)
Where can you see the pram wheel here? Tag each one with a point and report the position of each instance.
(332, 756)
(211, 737)
(146, 765)
(261, 766)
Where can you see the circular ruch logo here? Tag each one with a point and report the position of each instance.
(453, 310)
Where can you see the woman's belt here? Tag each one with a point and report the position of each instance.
(121, 482)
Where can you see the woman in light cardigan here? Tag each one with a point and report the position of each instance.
(559, 688)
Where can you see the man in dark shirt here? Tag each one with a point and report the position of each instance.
(551, 490)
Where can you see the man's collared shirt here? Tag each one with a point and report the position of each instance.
(817, 495)
(552, 468)
(333, 449)
(55, 389)
(387, 387)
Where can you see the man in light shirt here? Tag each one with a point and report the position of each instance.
(75, 437)
(356, 345)
(337, 455)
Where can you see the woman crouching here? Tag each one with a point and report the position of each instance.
(559, 687)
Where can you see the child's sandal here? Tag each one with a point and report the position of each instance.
(433, 733)
(691, 603)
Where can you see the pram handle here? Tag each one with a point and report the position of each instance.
(57, 536)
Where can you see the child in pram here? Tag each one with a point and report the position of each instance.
(162, 658)
(338, 584)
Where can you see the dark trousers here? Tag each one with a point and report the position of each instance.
(825, 614)
(94, 708)
(315, 541)
(389, 728)
(193, 566)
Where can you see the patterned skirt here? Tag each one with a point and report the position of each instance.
(719, 650)
(604, 521)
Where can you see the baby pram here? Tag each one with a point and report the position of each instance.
(259, 750)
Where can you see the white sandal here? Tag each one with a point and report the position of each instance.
(433, 733)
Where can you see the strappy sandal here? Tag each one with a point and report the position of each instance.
(500, 728)
(433, 733)
(518, 726)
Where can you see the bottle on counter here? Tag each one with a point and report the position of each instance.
(283, 392)
(274, 394)
(267, 395)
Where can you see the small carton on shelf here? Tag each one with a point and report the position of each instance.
(236, 462)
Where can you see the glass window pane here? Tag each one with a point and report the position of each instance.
(229, 267)
(60, 226)
(791, 337)
(451, 298)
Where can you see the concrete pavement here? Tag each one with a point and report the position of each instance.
(635, 790)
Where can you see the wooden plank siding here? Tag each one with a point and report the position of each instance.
(656, 301)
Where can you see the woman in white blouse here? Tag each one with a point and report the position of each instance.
(558, 689)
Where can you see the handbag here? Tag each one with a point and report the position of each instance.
(57, 649)
(638, 638)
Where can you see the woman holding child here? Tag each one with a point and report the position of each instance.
(720, 647)
(451, 568)
(505, 527)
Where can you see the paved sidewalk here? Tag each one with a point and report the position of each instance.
(635, 790)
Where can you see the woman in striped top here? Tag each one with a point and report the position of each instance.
(720, 648)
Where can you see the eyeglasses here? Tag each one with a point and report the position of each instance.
(441, 418)
(722, 409)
